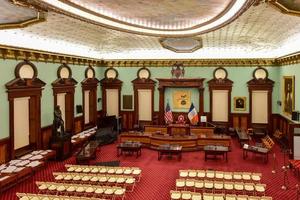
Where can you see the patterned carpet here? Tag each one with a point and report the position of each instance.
(158, 177)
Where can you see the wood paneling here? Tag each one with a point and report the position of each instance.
(78, 124)
(240, 120)
(127, 119)
(108, 83)
(90, 84)
(138, 84)
(24, 87)
(46, 136)
(179, 83)
(4, 149)
(262, 85)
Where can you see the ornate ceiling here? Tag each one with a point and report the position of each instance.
(260, 32)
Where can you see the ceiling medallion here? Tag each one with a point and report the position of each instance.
(234, 9)
(181, 45)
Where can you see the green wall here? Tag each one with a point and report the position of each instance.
(47, 72)
(239, 75)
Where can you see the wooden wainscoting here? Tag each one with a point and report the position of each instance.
(127, 120)
(46, 135)
(4, 149)
(286, 126)
(78, 124)
(240, 120)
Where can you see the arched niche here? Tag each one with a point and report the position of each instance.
(260, 94)
(24, 96)
(143, 87)
(63, 92)
(89, 97)
(220, 96)
(111, 93)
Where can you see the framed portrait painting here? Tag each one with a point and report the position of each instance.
(239, 103)
(288, 94)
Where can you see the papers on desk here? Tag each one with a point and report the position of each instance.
(245, 146)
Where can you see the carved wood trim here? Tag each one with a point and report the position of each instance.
(179, 83)
(142, 84)
(90, 84)
(107, 83)
(31, 88)
(221, 84)
(263, 85)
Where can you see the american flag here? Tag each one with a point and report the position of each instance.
(168, 115)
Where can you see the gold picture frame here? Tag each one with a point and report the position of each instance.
(240, 103)
(288, 95)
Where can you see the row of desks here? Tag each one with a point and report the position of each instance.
(188, 142)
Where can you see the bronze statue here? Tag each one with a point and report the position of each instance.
(58, 123)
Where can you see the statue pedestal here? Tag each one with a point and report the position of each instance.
(62, 145)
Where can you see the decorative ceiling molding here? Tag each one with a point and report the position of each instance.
(48, 57)
(287, 7)
(192, 63)
(40, 17)
(64, 7)
(289, 59)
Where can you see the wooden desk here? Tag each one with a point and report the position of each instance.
(187, 141)
(242, 136)
(215, 150)
(87, 153)
(256, 150)
(129, 147)
(169, 150)
(179, 129)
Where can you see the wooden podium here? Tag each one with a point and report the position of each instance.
(62, 145)
(178, 129)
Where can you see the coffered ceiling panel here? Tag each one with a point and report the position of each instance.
(260, 32)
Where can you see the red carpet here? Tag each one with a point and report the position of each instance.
(158, 177)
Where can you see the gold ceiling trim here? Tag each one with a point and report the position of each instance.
(290, 59)
(17, 53)
(283, 8)
(41, 17)
(192, 63)
(50, 7)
